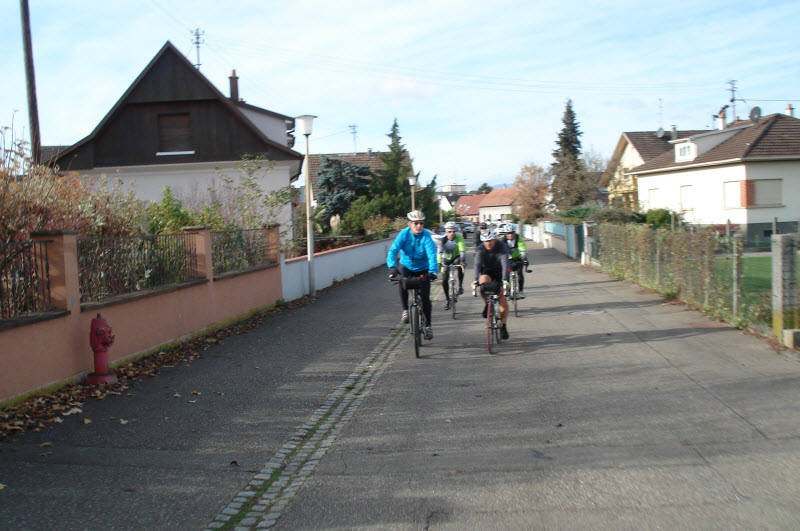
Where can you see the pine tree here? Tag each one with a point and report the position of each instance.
(340, 183)
(393, 178)
(572, 185)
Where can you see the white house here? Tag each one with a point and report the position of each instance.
(172, 127)
(748, 173)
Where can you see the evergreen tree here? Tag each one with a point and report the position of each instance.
(484, 188)
(393, 178)
(572, 185)
(340, 183)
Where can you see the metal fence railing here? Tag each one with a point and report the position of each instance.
(240, 249)
(116, 266)
(24, 278)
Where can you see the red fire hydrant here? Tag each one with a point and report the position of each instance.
(100, 338)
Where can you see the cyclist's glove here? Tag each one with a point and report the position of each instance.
(431, 276)
(392, 273)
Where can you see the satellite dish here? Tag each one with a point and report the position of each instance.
(660, 132)
(755, 114)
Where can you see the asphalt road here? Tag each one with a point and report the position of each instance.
(607, 408)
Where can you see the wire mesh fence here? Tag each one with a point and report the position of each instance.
(24, 278)
(695, 266)
(116, 266)
(240, 249)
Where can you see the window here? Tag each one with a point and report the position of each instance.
(174, 135)
(767, 192)
(755, 193)
(685, 151)
(686, 198)
(652, 198)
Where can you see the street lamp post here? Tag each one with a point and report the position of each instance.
(413, 182)
(303, 125)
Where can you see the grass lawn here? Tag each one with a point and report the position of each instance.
(757, 274)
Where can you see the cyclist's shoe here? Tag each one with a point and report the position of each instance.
(520, 295)
(460, 291)
(485, 310)
(503, 332)
(429, 333)
(404, 317)
(447, 305)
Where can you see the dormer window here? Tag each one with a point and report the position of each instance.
(685, 152)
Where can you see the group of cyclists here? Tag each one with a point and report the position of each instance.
(419, 255)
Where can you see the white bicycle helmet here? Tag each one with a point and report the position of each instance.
(450, 225)
(508, 228)
(416, 215)
(488, 234)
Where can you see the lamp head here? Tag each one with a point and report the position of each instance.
(412, 180)
(304, 123)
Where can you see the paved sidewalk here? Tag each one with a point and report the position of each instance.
(607, 408)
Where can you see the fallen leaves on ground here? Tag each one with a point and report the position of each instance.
(45, 409)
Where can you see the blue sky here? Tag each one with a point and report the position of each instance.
(478, 88)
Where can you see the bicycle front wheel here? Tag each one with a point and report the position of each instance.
(515, 293)
(453, 294)
(413, 318)
(490, 336)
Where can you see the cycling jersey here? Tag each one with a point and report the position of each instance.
(451, 249)
(492, 262)
(517, 248)
(417, 251)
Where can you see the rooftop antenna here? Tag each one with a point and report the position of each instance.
(353, 128)
(197, 42)
(660, 114)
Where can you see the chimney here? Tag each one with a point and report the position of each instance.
(673, 132)
(721, 120)
(789, 110)
(234, 86)
(369, 152)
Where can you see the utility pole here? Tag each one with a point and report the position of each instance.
(197, 42)
(33, 107)
(353, 129)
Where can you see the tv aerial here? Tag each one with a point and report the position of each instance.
(755, 114)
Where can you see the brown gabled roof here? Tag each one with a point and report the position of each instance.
(370, 158)
(236, 109)
(773, 137)
(468, 205)
(500, 197)
(50, 153)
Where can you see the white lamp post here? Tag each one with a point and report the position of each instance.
(303, 126)
(413, 182)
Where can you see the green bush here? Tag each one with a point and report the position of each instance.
(660, 217)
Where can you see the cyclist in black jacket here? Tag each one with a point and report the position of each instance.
(491, 265)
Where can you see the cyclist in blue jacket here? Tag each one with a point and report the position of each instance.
(417, 257)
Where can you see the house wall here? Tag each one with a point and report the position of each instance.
(708, 198)
(622, 188)
(495, 212)
(191, 182)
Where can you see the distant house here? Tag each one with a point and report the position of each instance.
(634, 149)
(173, 128)
(468, 207)
(498, 205)
(748, 173)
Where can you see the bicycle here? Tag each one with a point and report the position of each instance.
(452, 285)
(494, 323)
(416, 317)
(513, 279)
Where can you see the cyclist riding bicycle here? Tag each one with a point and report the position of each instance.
(491, 265)
(417, 258)
(451, 250)
(518, 253)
